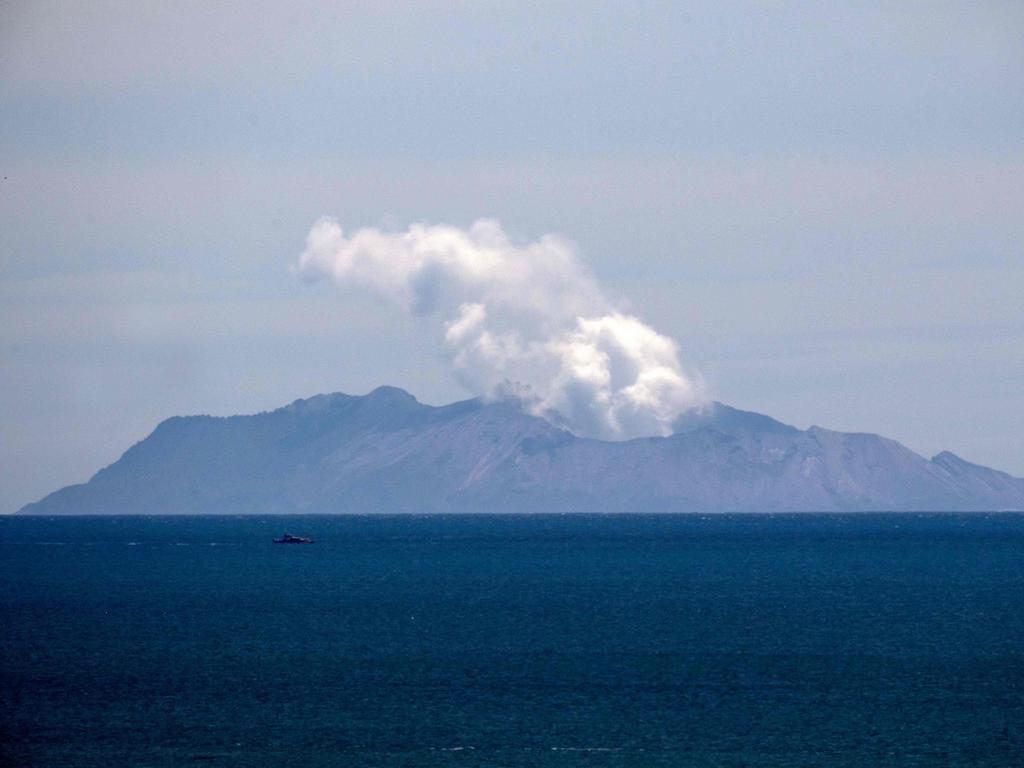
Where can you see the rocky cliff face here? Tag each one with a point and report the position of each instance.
(387, 453)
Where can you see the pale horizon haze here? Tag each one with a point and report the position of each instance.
(821, 204)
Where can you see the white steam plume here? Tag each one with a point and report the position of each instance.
(523, 321)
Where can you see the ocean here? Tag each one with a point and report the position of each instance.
(753, 640)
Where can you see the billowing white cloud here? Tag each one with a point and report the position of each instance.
(527, 321)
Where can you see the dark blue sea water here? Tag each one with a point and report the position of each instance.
(856, 640)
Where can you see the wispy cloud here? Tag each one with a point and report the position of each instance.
(527, 321)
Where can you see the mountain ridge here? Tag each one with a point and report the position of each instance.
(387, 452)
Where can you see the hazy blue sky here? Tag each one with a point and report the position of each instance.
(823, 203)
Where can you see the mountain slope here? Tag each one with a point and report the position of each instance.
(386, 452)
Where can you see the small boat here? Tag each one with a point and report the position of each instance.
(289, 539)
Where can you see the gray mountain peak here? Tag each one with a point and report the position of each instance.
(385, 452)
(718, 416)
